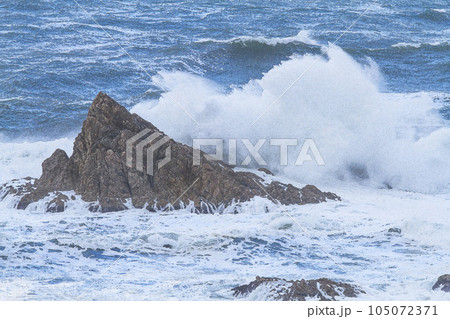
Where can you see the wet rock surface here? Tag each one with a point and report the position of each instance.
(322, 289)
(394, 230)
(18, 188)
(57, 204)
(443, 283)
(98, 171)
(26, 191)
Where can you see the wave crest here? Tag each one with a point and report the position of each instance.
(396, 140)
(302, 37)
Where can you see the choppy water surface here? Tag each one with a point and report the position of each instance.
(378, 101)
(55, 58)
(381, 241)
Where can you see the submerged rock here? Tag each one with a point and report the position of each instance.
(443, 283)
(27, 193)
(265, 170)
(297, 290)
(57, 204)
(395, 230)
(17, 187)
(98, 170)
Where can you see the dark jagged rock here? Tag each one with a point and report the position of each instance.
(395, 230)
(57, 204)
(97, 171)
(443, 283)
(299, 290)
(28, 193)
(18, 188)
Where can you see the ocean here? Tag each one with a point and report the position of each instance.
(369, 82)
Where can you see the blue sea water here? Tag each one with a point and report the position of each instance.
(379, 101)
(55, 58)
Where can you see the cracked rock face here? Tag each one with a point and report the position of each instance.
(322, 289)
(98, 171)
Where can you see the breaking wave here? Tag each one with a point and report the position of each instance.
(364, 135)
(435, 15)
(417, 45)
(21, 158)
(302, 37)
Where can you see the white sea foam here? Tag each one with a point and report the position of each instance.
(22, 159)
(397, 138)
(381, 139)
(301, 37)
(418, 45)
(188, 256)
(207, 12)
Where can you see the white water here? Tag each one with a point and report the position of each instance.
(22, 159)
(301, 37)
(418, 45)
(210, 254)
(399, 139)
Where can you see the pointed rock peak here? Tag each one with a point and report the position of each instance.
(106, 110)
(105, 105)
(104, 102)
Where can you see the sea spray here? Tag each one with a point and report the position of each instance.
(365, 135)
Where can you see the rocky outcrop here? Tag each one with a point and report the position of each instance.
(98, 171)
(26, 191)
(297, 290)
(17, 187)
(443, 283)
